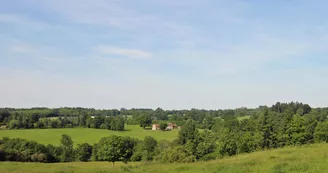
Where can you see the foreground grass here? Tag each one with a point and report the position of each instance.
(312, 158)
(81, 135)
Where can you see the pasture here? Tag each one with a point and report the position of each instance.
(81, 135)
(309, 158)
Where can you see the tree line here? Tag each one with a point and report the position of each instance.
(283, 124)
(274, 127)
(43, 118)
(93, 118)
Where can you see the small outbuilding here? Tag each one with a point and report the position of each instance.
(155, 127)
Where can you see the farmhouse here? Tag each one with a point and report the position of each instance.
(155, 127)
(170, 126)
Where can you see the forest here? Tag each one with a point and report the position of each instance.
(204, 135)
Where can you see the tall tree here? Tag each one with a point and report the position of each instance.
(188, 132)
(321, 132)
(206, 144)
(145, 120)
(148, 148)
(83, 152)
(115, 148)
(118, 123)
(163, 126)
(149, 144)
(208, 121)
(296, 132)
(268, 131)
(67, 148)
(109, 149)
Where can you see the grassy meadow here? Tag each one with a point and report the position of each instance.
(310, 158)
(81, 135)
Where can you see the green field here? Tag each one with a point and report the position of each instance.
(311, 158)
(81, 135)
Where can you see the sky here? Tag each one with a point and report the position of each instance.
(205, 54)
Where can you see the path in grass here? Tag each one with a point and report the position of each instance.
(81, 135)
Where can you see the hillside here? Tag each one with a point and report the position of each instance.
(309, 158)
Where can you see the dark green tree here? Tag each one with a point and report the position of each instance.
(67, 154)
(321, 132)
(118, 123)
(269, 133)
(296, 132)
(208, 122)
(229, 145)
(206, 144)
(14, 124)
(310, 124)
(109, 149)
(83, 152)
(149, 144)
(188, 132)
(145, 120)
(115, 148)
(163, 126)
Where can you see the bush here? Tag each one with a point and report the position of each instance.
(321, 132)
(68, 126)
(14, 124)
(211, 156)
(2, 155)
(25, 151)
(136, 156)
(163, 126)
(83, 152)
(177, 154)
(39, 125)
(39, 157)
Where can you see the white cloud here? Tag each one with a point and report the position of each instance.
(51, 59)
(21, 20)
(131, 53)
(9, 18)
(99, 12)
(238, 59)
(23, 48)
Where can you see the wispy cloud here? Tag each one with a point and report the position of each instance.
(130, 53)
(23, 48)
(99, 12)
(220, 51)
(22, 20)
(51, 59)
(241, 58)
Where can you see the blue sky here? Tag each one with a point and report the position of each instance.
(153, 53)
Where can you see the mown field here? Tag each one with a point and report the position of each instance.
(311, 158)
(81, 135)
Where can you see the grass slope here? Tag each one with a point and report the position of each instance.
(81, 135)
(312, 158)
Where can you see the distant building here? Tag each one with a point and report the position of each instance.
(170, 126)
(155, 127)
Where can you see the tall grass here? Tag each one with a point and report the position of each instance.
(310, 158)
